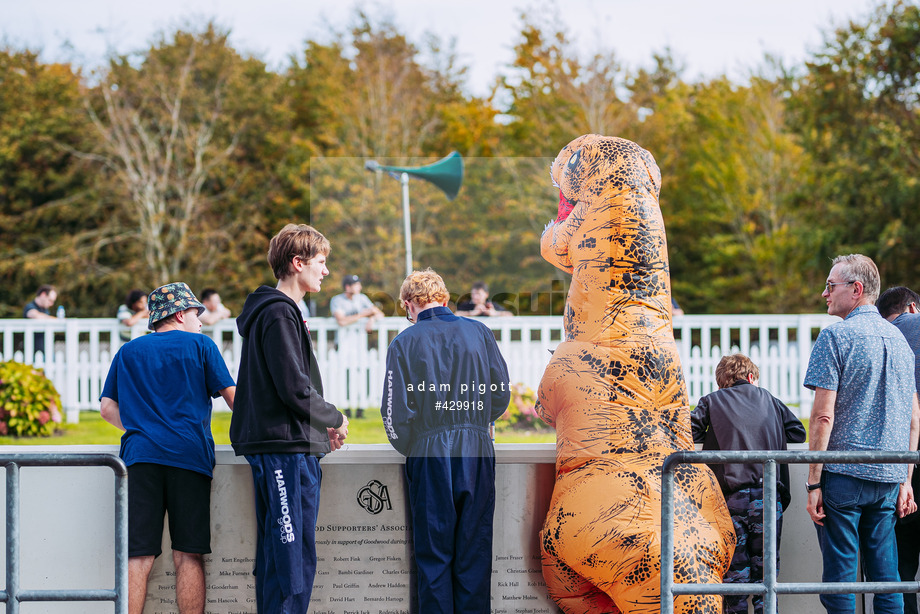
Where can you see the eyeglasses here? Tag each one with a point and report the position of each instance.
(408, 315)
(829, 287)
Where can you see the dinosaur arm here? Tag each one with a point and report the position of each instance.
(554, 244)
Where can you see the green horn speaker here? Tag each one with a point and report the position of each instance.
(446, 173)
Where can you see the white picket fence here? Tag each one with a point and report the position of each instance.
(76, 353)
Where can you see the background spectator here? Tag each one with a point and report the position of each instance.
(479, 303)
(899, 306)
(675, 308)
(40, 307)
(214, 309)
(133, 310)
(352, 306)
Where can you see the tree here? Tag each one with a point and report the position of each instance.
(857, 112)
(731, 167)
(48, 222)
(554, 96)
(164, 128)
(371, 94)
(743, 174)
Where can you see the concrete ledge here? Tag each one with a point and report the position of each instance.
(363, 536)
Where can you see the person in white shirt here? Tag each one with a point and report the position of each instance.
(352, 306)
(131, 312)
(214, 309)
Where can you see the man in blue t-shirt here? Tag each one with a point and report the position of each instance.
(158, 391)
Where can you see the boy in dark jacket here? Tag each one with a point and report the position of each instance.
(281, 422)
(743, 416)
(445, 383)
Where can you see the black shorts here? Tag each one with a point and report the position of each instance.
(155, 490)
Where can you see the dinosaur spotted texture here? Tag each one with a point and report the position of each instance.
(615, 393)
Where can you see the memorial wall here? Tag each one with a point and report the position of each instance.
(363, 537)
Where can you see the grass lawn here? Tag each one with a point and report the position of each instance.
(93, 430)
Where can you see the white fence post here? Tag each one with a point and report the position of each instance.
(70, 393)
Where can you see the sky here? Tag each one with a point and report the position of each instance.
(711, 37)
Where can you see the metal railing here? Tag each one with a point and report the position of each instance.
(13, 595)
(770, 587)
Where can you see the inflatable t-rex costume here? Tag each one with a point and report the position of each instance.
(615, 393)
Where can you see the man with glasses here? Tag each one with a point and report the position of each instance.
(445, 382)
(862, 372)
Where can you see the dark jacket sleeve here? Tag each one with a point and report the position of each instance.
(795, 431)
(498, 373)
(284, 358)
(398, 406)
(699, 420)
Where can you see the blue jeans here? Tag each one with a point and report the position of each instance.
(859, 518)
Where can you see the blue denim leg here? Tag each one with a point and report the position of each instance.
(860, 517)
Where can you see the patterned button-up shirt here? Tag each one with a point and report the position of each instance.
(870, 365)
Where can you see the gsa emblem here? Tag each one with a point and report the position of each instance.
(373, 497)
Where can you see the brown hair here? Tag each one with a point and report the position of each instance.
(732, 368)
(423, 287)
(295, 240)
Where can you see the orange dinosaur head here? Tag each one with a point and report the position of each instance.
(593, 166)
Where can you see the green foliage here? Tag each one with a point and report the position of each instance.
(521, 412)
(857, 113)
(184, 137)
(361, 213)
(45, 207)
(555, 96)
(738, 176)
(29, 403)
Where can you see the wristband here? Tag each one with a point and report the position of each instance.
(811, 487)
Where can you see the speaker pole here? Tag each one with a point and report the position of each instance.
(446, 174)
(407, 225)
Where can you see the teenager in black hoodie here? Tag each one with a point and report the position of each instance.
(281, 422)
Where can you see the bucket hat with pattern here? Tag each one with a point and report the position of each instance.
(169, 299)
